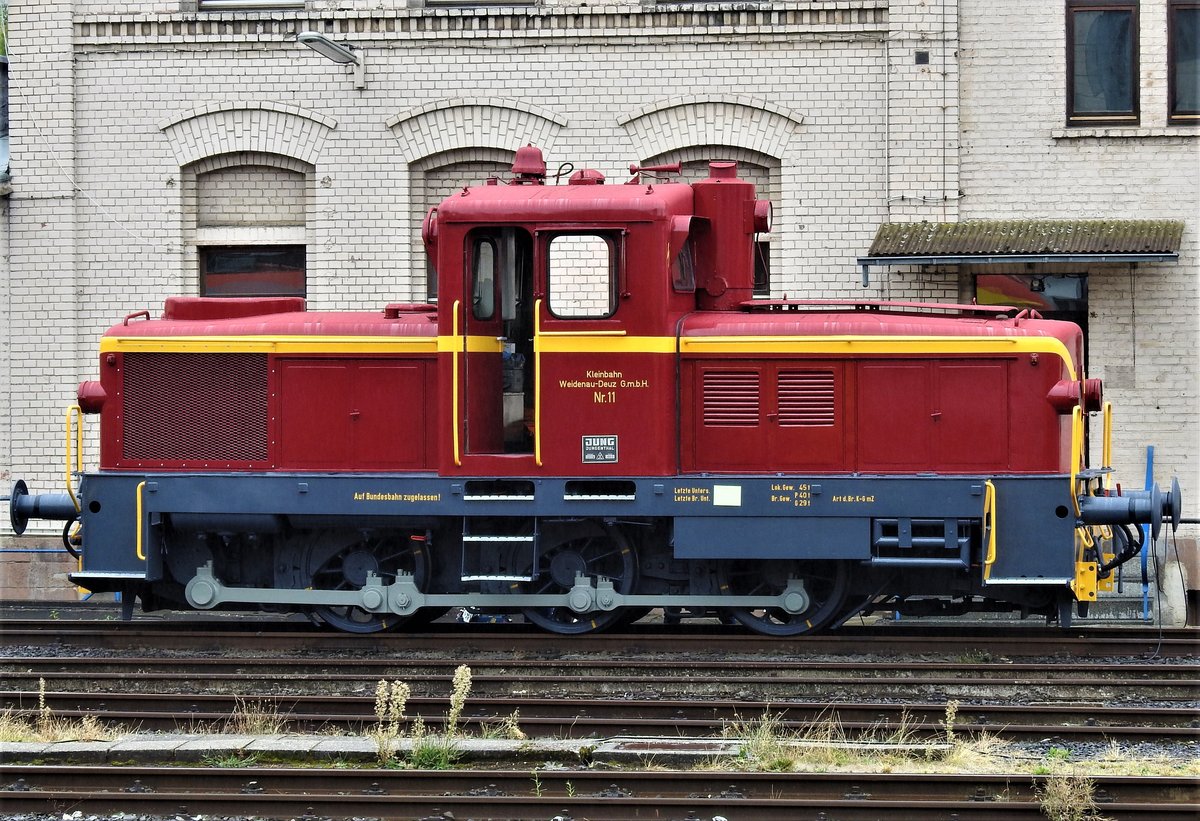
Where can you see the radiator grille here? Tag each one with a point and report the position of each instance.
(195, 407)
(806, 399)
(731, 398)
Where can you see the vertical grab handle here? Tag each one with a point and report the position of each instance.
(1076, 454)
(1106, 452)
(141, 552)
(458, 343)
(989, 521)
(537, 382)
(74, 462)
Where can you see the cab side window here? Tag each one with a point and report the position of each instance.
(582, 276)
(483, 278)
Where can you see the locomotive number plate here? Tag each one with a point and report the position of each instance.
(598, 449)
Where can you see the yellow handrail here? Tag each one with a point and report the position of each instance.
(141, 554)
(74, 423)
(989, 517)
(454, 379)
(1076, 453)
(1106, 452)
(537, 382)
(584, 333)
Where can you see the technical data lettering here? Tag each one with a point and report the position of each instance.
(606, 387)
(868, 499)
(792, 495)
(397, 497)
(698, 495)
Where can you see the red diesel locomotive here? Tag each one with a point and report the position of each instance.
(596, 420)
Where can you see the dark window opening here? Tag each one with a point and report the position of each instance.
(683, 269)
(483, 279)
(1054, 296)
(252, 270)
(1183, 62)
(431, 282)
(1102, 62)
(762, 269)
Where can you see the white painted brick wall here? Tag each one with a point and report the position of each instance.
(1019, 161)
(862, 134)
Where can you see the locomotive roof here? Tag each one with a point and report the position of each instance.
(191, 316)
(502, 203)
(872, 323)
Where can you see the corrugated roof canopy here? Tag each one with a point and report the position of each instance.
(1023, 241)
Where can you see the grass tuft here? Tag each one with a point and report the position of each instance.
(255, 717)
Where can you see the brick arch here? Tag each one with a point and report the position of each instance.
(450, 125)
(439, 175)
(230, 128)
(740, 122)
(219, 162)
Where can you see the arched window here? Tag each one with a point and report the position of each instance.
(246, 216)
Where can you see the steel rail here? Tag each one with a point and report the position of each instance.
(788, 687)
(548, 716)
(699, 640)
(541, 794)
(725, 670)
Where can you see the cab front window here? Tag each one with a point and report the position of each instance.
(582, 276)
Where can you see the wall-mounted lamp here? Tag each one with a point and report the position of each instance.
(343, 55)
(1037, 284)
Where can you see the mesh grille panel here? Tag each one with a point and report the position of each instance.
(195, 407)
(731, 398)
(806, 398)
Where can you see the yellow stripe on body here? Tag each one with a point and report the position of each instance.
(601, 342)
(297, 344)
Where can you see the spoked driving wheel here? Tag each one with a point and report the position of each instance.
(581, 547)
(825, 585)
(346, 568)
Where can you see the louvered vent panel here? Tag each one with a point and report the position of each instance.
(195, 407)
(806, 399)
(731, 398)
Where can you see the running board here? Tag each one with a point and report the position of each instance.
(995, 581)
(205, 592)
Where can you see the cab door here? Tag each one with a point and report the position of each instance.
(583, 402)
(496, 340)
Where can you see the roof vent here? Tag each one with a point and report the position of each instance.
(586, 176)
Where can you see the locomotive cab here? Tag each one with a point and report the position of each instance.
(560, 305)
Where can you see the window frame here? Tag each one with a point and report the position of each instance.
(202, 259)
(248, 5)
(1076, 118)
(1180, 116)
(615, 243)
(483, 283)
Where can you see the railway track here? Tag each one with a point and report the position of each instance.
(636, 678)
(549, 717)
(1030, 686)
(652, 685)
(696, 640)
(544, 794)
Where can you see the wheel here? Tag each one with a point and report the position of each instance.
(825, 582)
(346, 568)
(581, 547)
